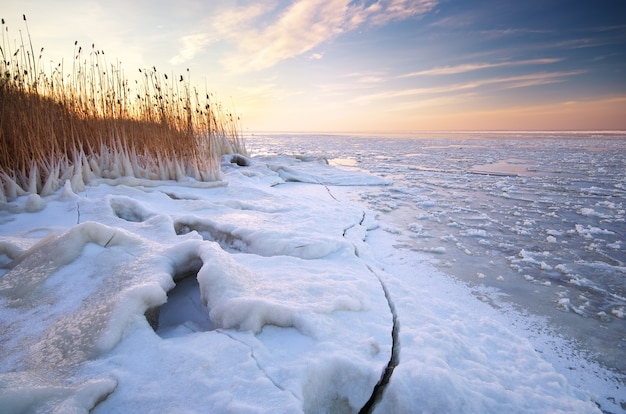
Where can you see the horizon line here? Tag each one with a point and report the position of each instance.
(441, 131)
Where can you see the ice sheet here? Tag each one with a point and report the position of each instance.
(300, 284)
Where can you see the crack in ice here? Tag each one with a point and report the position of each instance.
(327, 189)
(258, 364)
(394, 360)
(360, 223)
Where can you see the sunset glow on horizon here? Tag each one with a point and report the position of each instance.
(386, 65)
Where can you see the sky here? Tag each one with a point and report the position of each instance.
(362, 66)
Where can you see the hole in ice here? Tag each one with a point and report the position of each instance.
(129, 210)
(183, 313)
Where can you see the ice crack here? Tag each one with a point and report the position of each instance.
(354, 225)
(394, 359)
(329, 192)
(327, 189)
(258, 364)
(380, 386)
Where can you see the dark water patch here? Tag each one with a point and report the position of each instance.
(184, 312)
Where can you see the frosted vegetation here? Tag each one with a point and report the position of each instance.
(90, 122)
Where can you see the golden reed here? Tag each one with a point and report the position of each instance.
(56, 127)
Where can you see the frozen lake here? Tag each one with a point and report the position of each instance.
(441, 274)
(536, 220)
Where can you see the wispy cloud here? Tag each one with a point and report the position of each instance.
(497, 33)
(351, 83)
(262, 39)
(268, 91)
(191, 46)
(536, 79)
(231, 22)
(368, 77)
(398, 93)
(469, 67)
(438, 101)
(509, 82)
(383, 12)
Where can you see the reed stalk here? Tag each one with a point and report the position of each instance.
(56, 126)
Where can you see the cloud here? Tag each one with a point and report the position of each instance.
(400, 10)
(264, 36)
(498, 33)
(231, 22)
(439, 101)
(267, 91)
(538, 79)
(355, 82)
(453, 70)
(510, 82)
(192, 45)
(398, 93)
(368, 77)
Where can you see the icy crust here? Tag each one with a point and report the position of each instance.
(80, 272)
(292, 280)
(16, 397)
(459, 356)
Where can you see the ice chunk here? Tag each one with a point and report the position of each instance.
(248, 236)
(242, 298)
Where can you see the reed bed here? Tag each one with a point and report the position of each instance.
(57, 127)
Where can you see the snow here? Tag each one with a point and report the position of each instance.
(273, 291)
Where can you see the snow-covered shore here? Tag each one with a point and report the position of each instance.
(294, 307)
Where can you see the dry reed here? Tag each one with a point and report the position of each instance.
(90, 123)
